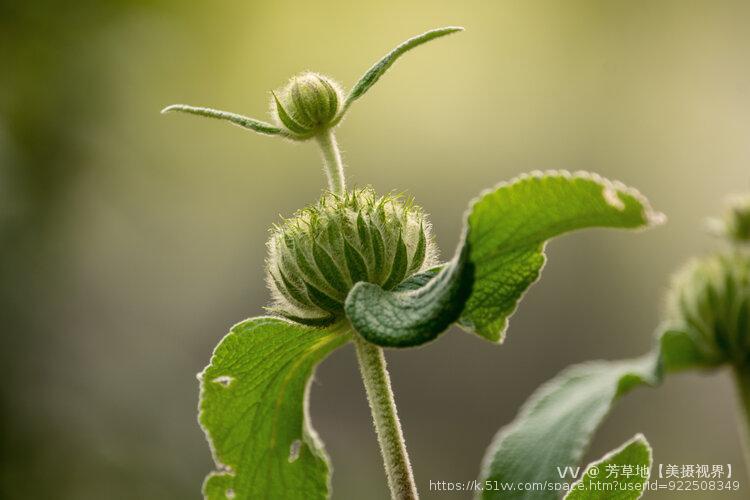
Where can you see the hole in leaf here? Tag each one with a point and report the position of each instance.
(229, 493)
(224, 380)
(610, 196)
(294, 450)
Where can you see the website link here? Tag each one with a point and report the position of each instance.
(588, 485)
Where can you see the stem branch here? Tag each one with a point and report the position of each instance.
(387, 426)
(334, 167)
(742, 381)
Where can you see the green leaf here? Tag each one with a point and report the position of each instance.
(554, 427)
(500, 256)
(509, 225)
(416, 281)
(416, 311)
(376, 71)
(556, 424)
(243, 121)
(620, 475)
(253, 409)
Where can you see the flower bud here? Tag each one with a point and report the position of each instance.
(737, 219)
(316, 256)
(710, 300)
(308, 104)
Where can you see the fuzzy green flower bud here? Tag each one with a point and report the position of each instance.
(316, 256)
(737, 219)
(710, 300)
(308, 105)
(734, 224)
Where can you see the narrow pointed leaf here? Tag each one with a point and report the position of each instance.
(554, 427)
(355, 262)
(243, 121)
(420, 252)
(301, 261)
(503, 246)
(378, 249)
(366, 243)
(253, 409)
(635, 454)
(316, 321)
(328, 268)
(286, 119)
(398, 266)
(374, 73)
(291, 288)
(321, 298)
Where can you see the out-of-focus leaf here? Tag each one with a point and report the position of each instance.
(554, 427)
(556, 424)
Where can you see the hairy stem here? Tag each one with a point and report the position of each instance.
(387, 426)
(742, 380)
(372, 367)
(334, 167)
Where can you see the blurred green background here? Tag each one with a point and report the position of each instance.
(130, 242)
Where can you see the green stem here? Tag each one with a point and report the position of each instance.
(372, 367)
(334, 167)
(742, 380)
(384, 415)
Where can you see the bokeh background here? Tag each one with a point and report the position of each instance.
(130, 242)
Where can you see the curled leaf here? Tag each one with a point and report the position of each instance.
(416, 311)
(499, 257)
(510, 224)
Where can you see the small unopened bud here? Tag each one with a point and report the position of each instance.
(319, 254)
(710, 301)
(309, 104)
